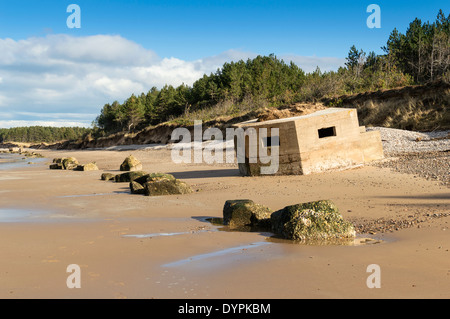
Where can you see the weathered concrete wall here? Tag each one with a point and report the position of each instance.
(321, 154)
(289, 156)
(371, 146)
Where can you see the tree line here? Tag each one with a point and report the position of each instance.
(424, 50)
(419, 56)
(47, 134)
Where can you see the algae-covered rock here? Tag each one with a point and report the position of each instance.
(154, 184)
(160, 176)
(131, 163)
(311, 221)
(129, 176)
(166, 187)
(152, 177)
(108, 176)
(245, 213)
(90, 167)
(31, 154)
(87, 167)
(56, 166)
(69, 163)
(136, 188)
(64, 163)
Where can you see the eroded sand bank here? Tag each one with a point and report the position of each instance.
(134, 246)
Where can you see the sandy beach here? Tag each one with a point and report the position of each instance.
(135, 246)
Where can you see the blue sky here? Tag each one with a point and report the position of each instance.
(50, 74)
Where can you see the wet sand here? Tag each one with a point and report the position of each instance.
(134, 246)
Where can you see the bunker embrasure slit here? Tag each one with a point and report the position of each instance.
(327, 132)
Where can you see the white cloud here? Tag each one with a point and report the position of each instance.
(110, 86)
(171, 71)
(212, 63)
(310, 63)
(64, 49)
(66, 75)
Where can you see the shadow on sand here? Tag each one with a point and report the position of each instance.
(228, 172)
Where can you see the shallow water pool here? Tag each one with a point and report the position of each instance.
(12, 161)
(14, 215)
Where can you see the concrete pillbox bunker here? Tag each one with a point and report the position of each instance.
(313, 143)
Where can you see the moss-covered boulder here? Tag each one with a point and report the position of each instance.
(154, 184)
(69, 163)
(131, 163)
(57, 163)
(244, 213)
(129, 176)
(319, 220)
(56, 166)
(87, 167)
(152, 177)
(136, 188)
(108, 177)
(166, 187)
(31, 154)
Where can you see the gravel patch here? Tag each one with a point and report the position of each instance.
(422, 154)
(397, 141)
(425, 155)
(389, 225)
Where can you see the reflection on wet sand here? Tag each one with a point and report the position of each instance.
(219, 253)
